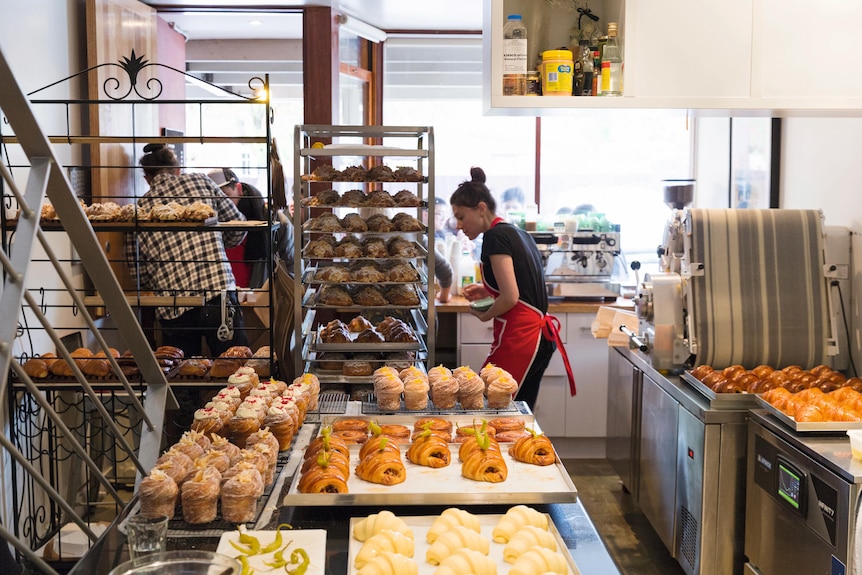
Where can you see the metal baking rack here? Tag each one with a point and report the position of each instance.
(370, 407)
(309, 279)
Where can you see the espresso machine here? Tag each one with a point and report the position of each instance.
(580, 264)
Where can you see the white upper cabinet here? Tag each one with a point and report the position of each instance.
(684, 49)
(806, 53)
(728, 57)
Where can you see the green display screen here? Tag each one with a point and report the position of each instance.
(789, 485)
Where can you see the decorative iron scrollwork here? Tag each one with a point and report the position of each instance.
(133, 65)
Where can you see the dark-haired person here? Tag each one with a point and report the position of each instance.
(187, 263)
(525, 336)
(248, 260)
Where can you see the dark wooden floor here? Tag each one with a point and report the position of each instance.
(631, 541)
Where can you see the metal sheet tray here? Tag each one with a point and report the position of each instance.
(741, 401)
(312, 299)
(370, 407)
(318, 345)
(525, 483)
(421, 254)
(309, 279)
(420, 524)
(836, 427)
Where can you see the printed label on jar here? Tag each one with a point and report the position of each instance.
(557, 79)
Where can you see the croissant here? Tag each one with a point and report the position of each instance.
(459, 537)
(534, 449)
(385, 468)
(539, 560)
(472, 444)
(449, 519)
(485, 466)
(526, 537)
(322, 480)
(429, 450)
(334, 460)
(378, 444)
(377, 522)
(516, 518)
(388, 563)
(467, 562)
(326, 442)
(36, 367)
(386, 540)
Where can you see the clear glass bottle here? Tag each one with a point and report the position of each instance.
(612, 64)
(586, 57)
(514, 56)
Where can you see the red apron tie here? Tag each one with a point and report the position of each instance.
(551, 330)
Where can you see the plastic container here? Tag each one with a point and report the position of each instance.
(514, 56)
(557, 72)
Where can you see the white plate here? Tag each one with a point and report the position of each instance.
(420, 525)
(312, 540)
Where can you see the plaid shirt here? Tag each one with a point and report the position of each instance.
(184, 263)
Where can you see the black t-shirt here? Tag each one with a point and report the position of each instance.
(504, 238)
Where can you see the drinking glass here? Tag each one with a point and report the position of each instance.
(146, 535)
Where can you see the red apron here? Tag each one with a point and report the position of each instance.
(517, 334)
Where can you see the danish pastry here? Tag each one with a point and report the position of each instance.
(533, 449)
(379, 223)
(381, 173)
(406, 198)
(383, 467)
(359, 324)
(354, 223)
(429, 450)
(369, 296)
(407, 174)
(352, 198)
(198, 212)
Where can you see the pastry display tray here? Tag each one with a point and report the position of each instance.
(307, 229)
(836, 427)
(741, 401)
(420, 524)
(525, 483)
(370, 407)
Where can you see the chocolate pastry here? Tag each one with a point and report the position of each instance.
(407, 174)
(381, 173)
(380, 198)
(354, 223)
(380, 223)
(326, 198)
(325, 173)
(352, 198)
(335, 295)
(352, 174)
(406, 198)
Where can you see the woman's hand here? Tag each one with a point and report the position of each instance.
(473, 292)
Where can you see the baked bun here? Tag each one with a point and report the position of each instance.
(369, 296)
(407, 174)
(380, 223)
(359, 324)
(195, 367)
(326, 198)
(335, 296)
(198, 211)
(352, 198)
(374, 248)
(319, 249)
(332, 274)
(357, 368)
(325, 223)
(348, 248)
(406, 198)
(354, 223)
(370, 335)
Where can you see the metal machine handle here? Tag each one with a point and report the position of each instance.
(634, 338)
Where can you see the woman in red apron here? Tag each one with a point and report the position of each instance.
(525, 336)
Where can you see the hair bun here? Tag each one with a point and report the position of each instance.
(477, 174)
(151, 148)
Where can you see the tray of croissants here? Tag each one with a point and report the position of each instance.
(453, 460)
(522, 541)
(194, 213)
(806, 400)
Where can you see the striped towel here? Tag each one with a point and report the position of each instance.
(762, 296)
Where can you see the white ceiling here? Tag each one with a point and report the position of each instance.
(269, 19)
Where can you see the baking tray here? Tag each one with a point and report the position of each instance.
(370, 407)
(309, 279)
(312, 298)
(420, 524)
(836, 427)
(318, 345)
(421, 253)
(307, 230)
(525, 483)
(741, 401)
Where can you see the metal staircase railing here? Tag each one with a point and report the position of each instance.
(46, 177)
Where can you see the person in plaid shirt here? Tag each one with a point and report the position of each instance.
(187, 263)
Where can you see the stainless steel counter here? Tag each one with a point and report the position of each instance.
(575, 526)
(830, 450)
